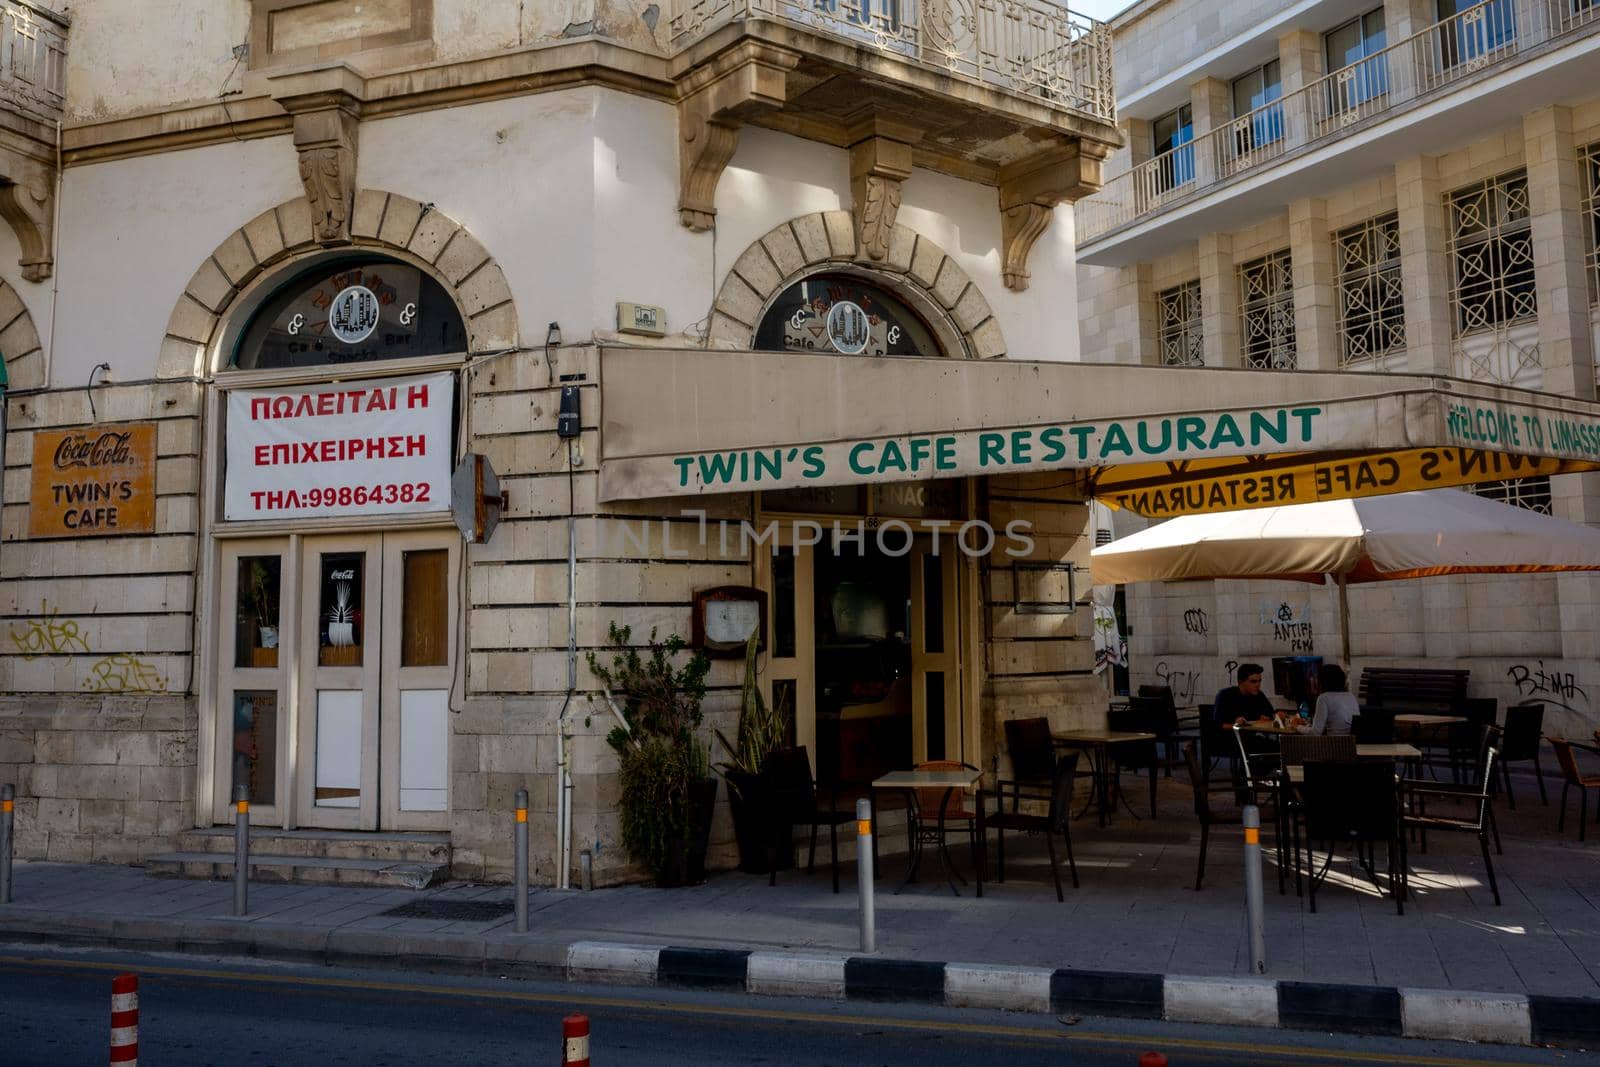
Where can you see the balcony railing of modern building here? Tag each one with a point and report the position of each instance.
(33, 60)
(1492, 35)
(1031, 48)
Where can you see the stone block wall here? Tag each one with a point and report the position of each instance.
(103, 780)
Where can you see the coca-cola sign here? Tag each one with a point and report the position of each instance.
(93, 481)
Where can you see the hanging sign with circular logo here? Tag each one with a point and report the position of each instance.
(354, 314)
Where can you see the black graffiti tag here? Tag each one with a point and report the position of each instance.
(1560, 688)
(1195, 621)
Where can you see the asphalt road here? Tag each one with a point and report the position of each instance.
(54, 1010)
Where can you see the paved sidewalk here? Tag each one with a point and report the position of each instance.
(1136, 911)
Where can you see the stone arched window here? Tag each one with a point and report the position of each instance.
(940, 309)
(834, 311)
(350, 310)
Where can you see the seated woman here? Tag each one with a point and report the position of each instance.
(1336, 707)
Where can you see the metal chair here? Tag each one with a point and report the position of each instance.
(1032, 752)
(926, 813)
(1356, 803)
(794, 796)
(1057, 821)
(1202, 809)
(1519, 743)
(1142, 716)
(1572, 776)
(1480, 823)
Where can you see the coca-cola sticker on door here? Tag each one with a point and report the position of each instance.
(93, 481)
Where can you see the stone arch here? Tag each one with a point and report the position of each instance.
(828, 238)
(19, 342)
(381, 221)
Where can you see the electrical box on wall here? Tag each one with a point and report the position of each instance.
(641, 318)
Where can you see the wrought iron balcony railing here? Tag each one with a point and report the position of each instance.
(33, 59)
(1492, 34)
(1032, 48)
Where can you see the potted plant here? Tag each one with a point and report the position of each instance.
(668, 793)
(750, 796)
(262, 594)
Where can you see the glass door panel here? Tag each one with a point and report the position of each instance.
(252, 695)
(339, 683)
(414, 724)
(935, 662)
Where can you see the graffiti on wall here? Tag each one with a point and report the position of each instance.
(1559, 688)
(48, 635)
(1185, 685)
(124, 674)
(1196, 622)
(1290, 625)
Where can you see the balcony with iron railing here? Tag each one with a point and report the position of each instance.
(33, 55)
(1031, 48)
(1447, 56)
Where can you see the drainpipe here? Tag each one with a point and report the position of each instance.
(563, 756)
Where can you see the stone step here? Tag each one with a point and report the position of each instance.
(424, 848)
(302, 870)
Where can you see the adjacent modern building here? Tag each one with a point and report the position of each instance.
(1407, 188)
(365, 363)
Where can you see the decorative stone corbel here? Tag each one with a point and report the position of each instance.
(1031, 187)
(27, 202)
(718, 98)
(326, 105)
(880, 159)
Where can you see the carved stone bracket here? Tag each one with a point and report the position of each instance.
(1029, 191)
(717, 98)
(880, 159)
(326, 105)
(27, 202)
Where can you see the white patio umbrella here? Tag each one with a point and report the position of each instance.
(1371, 539)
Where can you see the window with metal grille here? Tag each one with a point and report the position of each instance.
(1372, 317)
(1591, 217)
(1491, 251)
(1179, 308)
(1266, 293)
(1531, 493)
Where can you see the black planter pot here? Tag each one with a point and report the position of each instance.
(755, 823)
(685, 862)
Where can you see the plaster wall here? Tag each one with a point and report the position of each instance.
(517, 175)
(123, 58)
(126, 252)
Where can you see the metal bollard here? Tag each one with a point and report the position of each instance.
(585, 870)
(869, 921)
(241, 849)
(1252, 889)
(521, 860)
(8, 801)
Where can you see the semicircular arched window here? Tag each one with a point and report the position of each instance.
(844, 314)
(352, 311)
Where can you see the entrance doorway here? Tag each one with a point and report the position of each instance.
(865, 647)
(334, 690)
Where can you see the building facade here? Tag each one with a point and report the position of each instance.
(307, 257)
(1329, 187)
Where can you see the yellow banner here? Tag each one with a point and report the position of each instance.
(1161, 491)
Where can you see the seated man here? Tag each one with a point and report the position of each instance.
(1243, 702)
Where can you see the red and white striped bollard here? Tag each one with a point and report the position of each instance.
(575, 1041)
(125, 1020)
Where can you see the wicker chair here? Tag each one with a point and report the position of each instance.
(1520, 744)
(1573, 776)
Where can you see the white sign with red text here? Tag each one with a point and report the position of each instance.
(379, 447)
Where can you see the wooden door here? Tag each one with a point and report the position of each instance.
(254, 688)
(419, 626)
(936, 731)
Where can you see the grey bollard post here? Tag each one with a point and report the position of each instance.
(864, 886)
(1254, 907)
(521, 860)
(8, 801)
(241, 849)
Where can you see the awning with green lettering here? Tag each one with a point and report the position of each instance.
(1155, 440)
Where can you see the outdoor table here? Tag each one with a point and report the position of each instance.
(1428, 720)
(1296, 773)
(1098, 742)
(909, 782)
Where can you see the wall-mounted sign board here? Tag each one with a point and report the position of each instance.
(93, 481)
